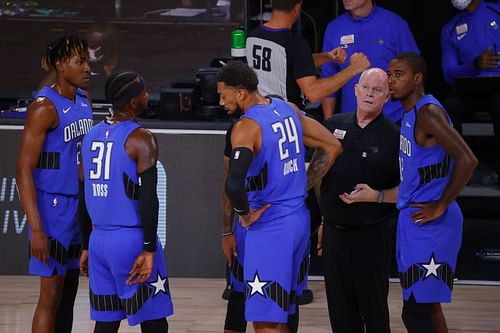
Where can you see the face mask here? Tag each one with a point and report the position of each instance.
(460, 4)
(93, 54)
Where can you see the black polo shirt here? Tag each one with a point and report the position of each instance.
(370, 156)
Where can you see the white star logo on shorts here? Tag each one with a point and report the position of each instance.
(159, 285)
(257, 285)
(431, 267)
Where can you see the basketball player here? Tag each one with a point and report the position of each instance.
(47, 178)
(119, 190)
(435, 165)
(267, 186)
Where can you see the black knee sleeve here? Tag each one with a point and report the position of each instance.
(106, 326)
(417, 316)
(155, 326)
(235, 316)
(293, 321)
(64, 315)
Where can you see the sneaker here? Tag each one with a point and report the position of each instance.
(305, 298)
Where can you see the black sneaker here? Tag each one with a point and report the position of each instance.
(306, 298)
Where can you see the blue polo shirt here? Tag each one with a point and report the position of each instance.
(465, 37)
(381, 35)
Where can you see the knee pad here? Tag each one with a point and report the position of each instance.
(155, 326)
(417, 316)
(106, 326)
(235, 316)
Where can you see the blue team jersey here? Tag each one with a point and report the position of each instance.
(111, 181)
(465, 37)
(381, 35)
(425, 172)
(277, 175)
(57, 168)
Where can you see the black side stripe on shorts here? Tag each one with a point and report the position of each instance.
(259, 182)
(434, 171)
(304, 268)
(280, 296)
(133, 304)
(104, 302)
(49, 160)
(74, 251)
(413, 274)
(58, 252)
(131, 189)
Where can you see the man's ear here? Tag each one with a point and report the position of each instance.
(59, 66)
(419, 77)
(242, 94)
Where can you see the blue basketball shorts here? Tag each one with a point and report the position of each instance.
(58, 214)
(427, 254)
(111, 256)
(276, 266)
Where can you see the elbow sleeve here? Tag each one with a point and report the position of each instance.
(148, 207)
(239, 163)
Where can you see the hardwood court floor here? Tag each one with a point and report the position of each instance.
(199, 307)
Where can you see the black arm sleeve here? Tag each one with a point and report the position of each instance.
(83, 216)
(148, 207)
(239, 163)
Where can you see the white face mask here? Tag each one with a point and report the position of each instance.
(460, 4)
(95, 54)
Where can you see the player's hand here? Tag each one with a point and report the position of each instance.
(229, 248)
(319, 244)
(338, 55)
(142, 268)
(427, 212)
(488, 59)
(361, 193)
(84, 263)
(249, 219)
(39, 244)
(359, 61)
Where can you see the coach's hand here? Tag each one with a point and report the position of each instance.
(142, 268)
(229, 248)
(252, 216)
(39, 244)
(84, 263)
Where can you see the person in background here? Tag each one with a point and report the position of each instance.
(375, 31)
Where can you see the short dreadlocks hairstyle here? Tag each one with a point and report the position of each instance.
(62, 49)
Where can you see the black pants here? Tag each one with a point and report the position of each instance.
(356, 266)
(459, 105)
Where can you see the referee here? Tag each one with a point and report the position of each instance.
(357, 199)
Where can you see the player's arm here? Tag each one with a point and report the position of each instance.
(246, 140)
(84, 220)
(228, 239)
(328, 148)
(41, 117)
(432, 122)
(142, 147)
(315, 89)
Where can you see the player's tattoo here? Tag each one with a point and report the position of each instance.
(318, 167)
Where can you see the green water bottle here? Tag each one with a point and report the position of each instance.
(238, 43)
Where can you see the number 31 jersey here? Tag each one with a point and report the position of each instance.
(111, 181)
(277, 174)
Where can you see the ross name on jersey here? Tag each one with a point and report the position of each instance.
(77, 128)
(100, 190)
(290, 166)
